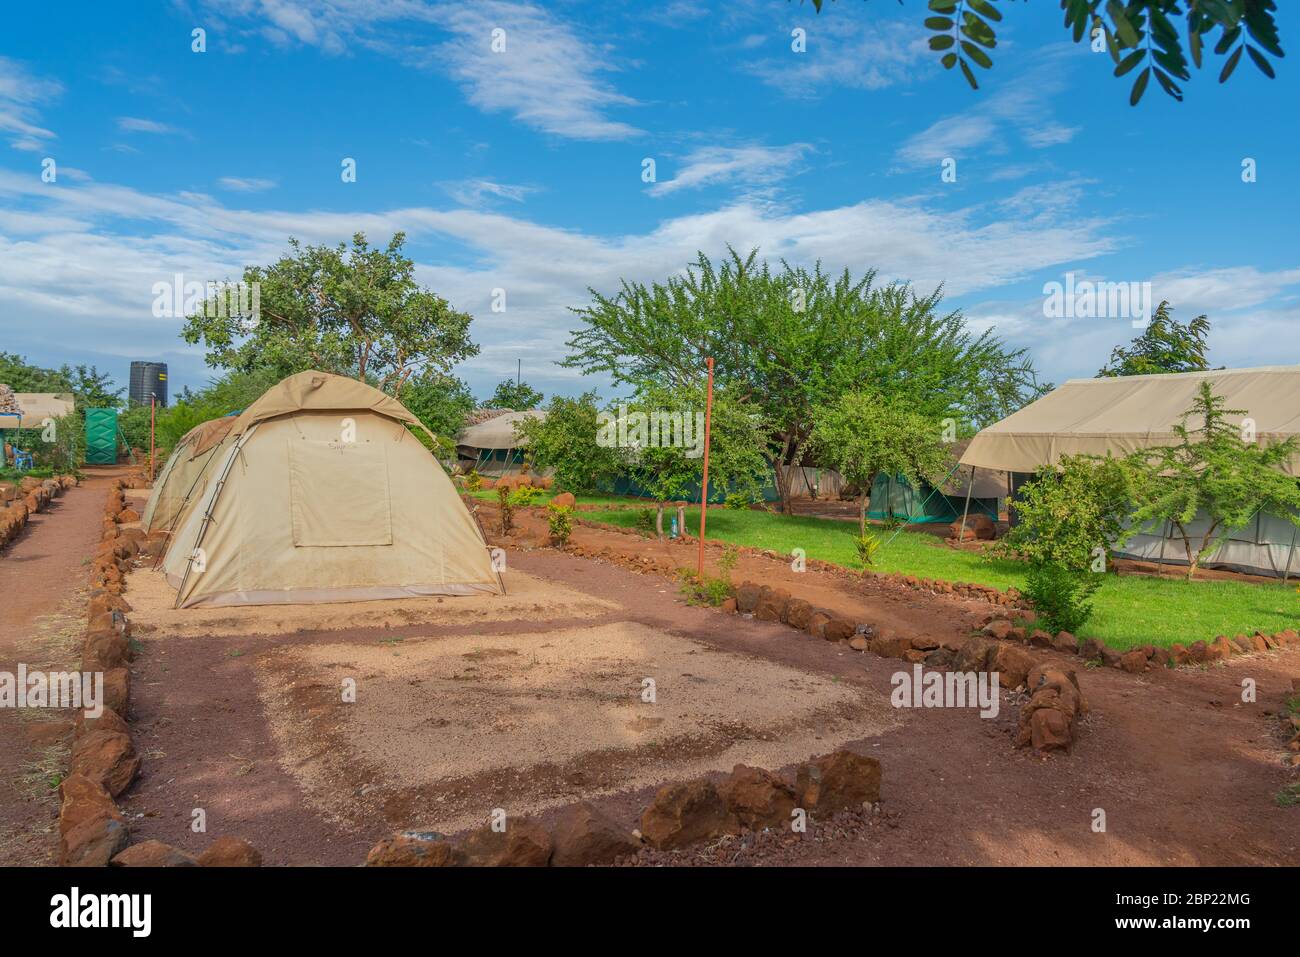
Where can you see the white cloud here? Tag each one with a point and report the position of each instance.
(549, 76)
(90, 284)
(1020, 106)
(240, 184)
(842, 51)
(21, 96)
(749, 166)
(135, 124)
(476, 192)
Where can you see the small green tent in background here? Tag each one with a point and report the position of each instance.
(101, 436)
(892, 496)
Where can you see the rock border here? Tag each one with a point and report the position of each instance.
(682, 814)
(31, 495)
(93, 832)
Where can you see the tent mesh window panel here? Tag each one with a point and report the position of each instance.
(101, 436)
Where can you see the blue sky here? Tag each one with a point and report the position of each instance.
(522, 169)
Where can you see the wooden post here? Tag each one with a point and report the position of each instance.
(704, 486)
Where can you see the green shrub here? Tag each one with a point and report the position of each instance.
(868, 548)
(1061, 597)
(525, 495)
(473, 481)
(560, 520)
(645, 521)
(704, 589)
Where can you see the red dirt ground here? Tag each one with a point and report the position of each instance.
(42, 612)
(1185, 772)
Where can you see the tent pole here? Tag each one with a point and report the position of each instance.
(970, 484)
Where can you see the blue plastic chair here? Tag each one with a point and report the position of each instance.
(22, 460)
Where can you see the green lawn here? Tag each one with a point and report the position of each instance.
(1128, 611)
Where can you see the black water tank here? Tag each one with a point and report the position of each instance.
(148, 378)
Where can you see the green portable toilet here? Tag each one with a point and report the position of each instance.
(101, 436)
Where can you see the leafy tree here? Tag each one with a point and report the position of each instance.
(566, 441)
(1218, 472)
(1165, 345)
(91, 388)
(1134, 33)
(353, 311)
(1066, 514)
(862, 434)
(441, 402)
(515, 395)
(788, 340)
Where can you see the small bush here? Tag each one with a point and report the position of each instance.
(560, 520)
(704, 589)
(525, 495)
(473, 481)
(868, 547)
(645, 521)
(1061, 597)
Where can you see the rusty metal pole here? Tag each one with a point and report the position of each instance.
(153, 411)
(704, 487)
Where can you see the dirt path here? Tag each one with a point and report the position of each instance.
(42, 614)
(1183, 770)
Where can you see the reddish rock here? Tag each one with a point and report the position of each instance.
(772, 604)
(414, 849)
(93, 843)
(83, 799)
(564, 500)
(583, 835)
(836, 781)
(889, 646)
(1134, 662)
(685, 813)
(798, 613)
(924, 644)
(998, 628)
(523, 843)
(858, 643)
(106, 757)
(817, 624)
(153, 854)
(230, 852)
(1040, 639)
(838, 629)
(107, 720)
(1066, 643)
(728, 606)
(128, 515)
(1220, 649)
(747, 596)
(1012, 663)
(974, 654)
(758, 798)
(117, 689)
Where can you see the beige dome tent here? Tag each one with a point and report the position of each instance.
(181, 478)
(320, 493)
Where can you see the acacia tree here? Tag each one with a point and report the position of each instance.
(1136, 33)
(352, 310)
(516, 395)
(788, 339)
(1165, 345)
(1217, 471)
(862, 434)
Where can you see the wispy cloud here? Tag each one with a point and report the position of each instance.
(1021, 107)
(21, 96)
(548, 75)
(845, 52)
(240, 184)
(135, 124)
(477, 192)
(748, 166)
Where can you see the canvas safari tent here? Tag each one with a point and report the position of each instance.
(490, 446)
(320, 493)
(183, 473)
(1116, 416)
